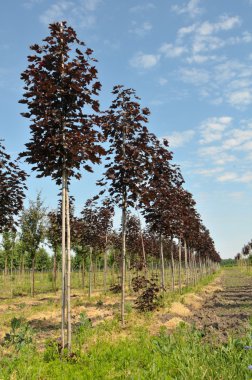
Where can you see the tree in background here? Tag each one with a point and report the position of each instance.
(160, 209)
(8, 244)
(60, 92)
(12, 190)
(33, 231)
(130, 159)
(105, 214)
(53, 235)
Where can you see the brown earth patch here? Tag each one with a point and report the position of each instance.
(227, 307)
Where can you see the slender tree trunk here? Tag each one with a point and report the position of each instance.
(113, 272)
(180, 286)
(172, 268)
(33, 276)
(189, 266)
(162, 261)
(194, 269)
(64, 200)
(11, 266)
(186, 263)
(200, 268)
(55, 271)
(90, 273)
(23, 270)
(69, 326)
(129, 274)
(83, 273)
(123, 263)
(6, 266)
(63, 284)
(105, 269)
(143, 247)
(94, 273)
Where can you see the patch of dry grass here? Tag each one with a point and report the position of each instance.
(180, 309)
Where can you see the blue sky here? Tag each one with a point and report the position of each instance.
(189, 61)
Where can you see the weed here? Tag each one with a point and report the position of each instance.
(22, 305)
(115, 288)
(149, 299)
(128, 307)
(20, 334)
(52, 350)
(99, 303)
(85, 322)
(78, 302)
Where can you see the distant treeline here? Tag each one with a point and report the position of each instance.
(228, 262)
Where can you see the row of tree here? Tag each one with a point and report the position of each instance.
(245, 253)
(70, 132)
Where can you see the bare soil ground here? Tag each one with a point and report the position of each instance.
(221, 310)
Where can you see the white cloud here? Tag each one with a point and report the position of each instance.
(55, 12)
(208, 172)
(29, 4)
(240, 98)
(199, 58)
(80, 12)
(90, 5)
(245, 37)
(239, 139)
(229, 81)
(212, 129)
(141, 29)
(224, 158)
(246, 146)
(214, 154)
(194, 76)
(191, 8)
(225, 23)
(172, 51)
(179, 139)
(141, 8)
(227, 177)
(245, 178)
(226, 146)
(186, 30)
(115, 45)
(144, 61)
(205, 37)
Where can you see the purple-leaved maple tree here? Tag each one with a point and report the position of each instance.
(61, 90)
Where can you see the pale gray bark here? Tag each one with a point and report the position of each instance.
(172, 268)
(90, 272)
(186, 263)
(180, 284)
(69, 327)
(162, 268)
(123, 263)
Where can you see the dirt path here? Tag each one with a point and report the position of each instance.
(228, 311)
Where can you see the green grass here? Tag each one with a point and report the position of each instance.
(182, 355)
(19, 285)
(107, 351)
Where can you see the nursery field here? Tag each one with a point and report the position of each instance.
(202, 333)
